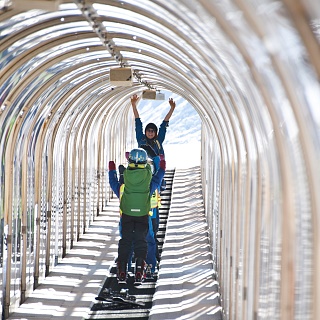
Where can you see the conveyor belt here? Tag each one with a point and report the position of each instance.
(114, 310)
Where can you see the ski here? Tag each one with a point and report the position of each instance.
(121, 297)
(129, 301)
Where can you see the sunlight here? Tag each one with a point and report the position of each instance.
(187, 279)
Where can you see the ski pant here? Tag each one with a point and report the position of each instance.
(155, 227)
(152, 247)
(133, 233)
(131, 252)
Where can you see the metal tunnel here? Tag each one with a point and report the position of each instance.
(250, 69)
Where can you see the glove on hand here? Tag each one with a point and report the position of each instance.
(121, 169)
(112, 165)
(163, 164)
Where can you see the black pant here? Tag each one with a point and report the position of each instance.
(134, 232)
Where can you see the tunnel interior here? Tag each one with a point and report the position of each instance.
(250, 72)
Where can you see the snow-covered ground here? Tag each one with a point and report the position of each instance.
(183, 156)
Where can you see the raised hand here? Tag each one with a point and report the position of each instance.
(112, 166)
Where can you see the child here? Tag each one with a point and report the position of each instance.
(139, 185)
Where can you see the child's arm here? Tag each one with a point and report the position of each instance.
(113, 179)
(157, 178)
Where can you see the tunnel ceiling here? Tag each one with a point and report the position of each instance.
(249, 68)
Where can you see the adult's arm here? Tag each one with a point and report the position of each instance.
(139, 132)
(172, 107)
(134, 101)
(162, 131)
(165, 122)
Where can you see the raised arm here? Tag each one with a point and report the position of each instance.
(113, 179)
(134, 101)
(172, 107)
(157, 178)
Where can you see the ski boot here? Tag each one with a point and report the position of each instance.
(148, 274)
(139, 271)
(122, 272)
(151, 274)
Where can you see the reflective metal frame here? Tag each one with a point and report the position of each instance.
(250, 69)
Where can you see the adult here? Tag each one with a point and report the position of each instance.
(151, 137)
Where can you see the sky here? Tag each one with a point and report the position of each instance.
(182, 144)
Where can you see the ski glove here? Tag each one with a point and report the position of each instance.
(112, 165)
(121, 168)
(163, 164)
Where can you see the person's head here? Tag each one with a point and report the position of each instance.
(137, 158)
(151, 131)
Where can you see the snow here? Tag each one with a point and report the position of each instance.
(182, 156)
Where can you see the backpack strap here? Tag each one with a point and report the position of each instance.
(158, 144)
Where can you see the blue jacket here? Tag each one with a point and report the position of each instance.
(142, 139)
(154, 184)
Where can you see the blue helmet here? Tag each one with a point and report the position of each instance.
(138, 156)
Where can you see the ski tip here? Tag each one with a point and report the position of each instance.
(99, 298)
(149, 280)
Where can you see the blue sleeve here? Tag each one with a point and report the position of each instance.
(162, 131)
(114, 183)
(156, 163)
(156, 181)
(139, 131)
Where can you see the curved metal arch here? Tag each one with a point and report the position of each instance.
(183, 36)
(170, 38)
(274, 119)
(187, 59)
(244, 117)
(263, 95)
(56, 125)
(9, 12)
(170, 63)
(15, 64)
(194, 30)
(35, 97)
(308, 155)
(298, 11)
(13, 94)
(38, 95)
(13, 37)
(81, 124)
